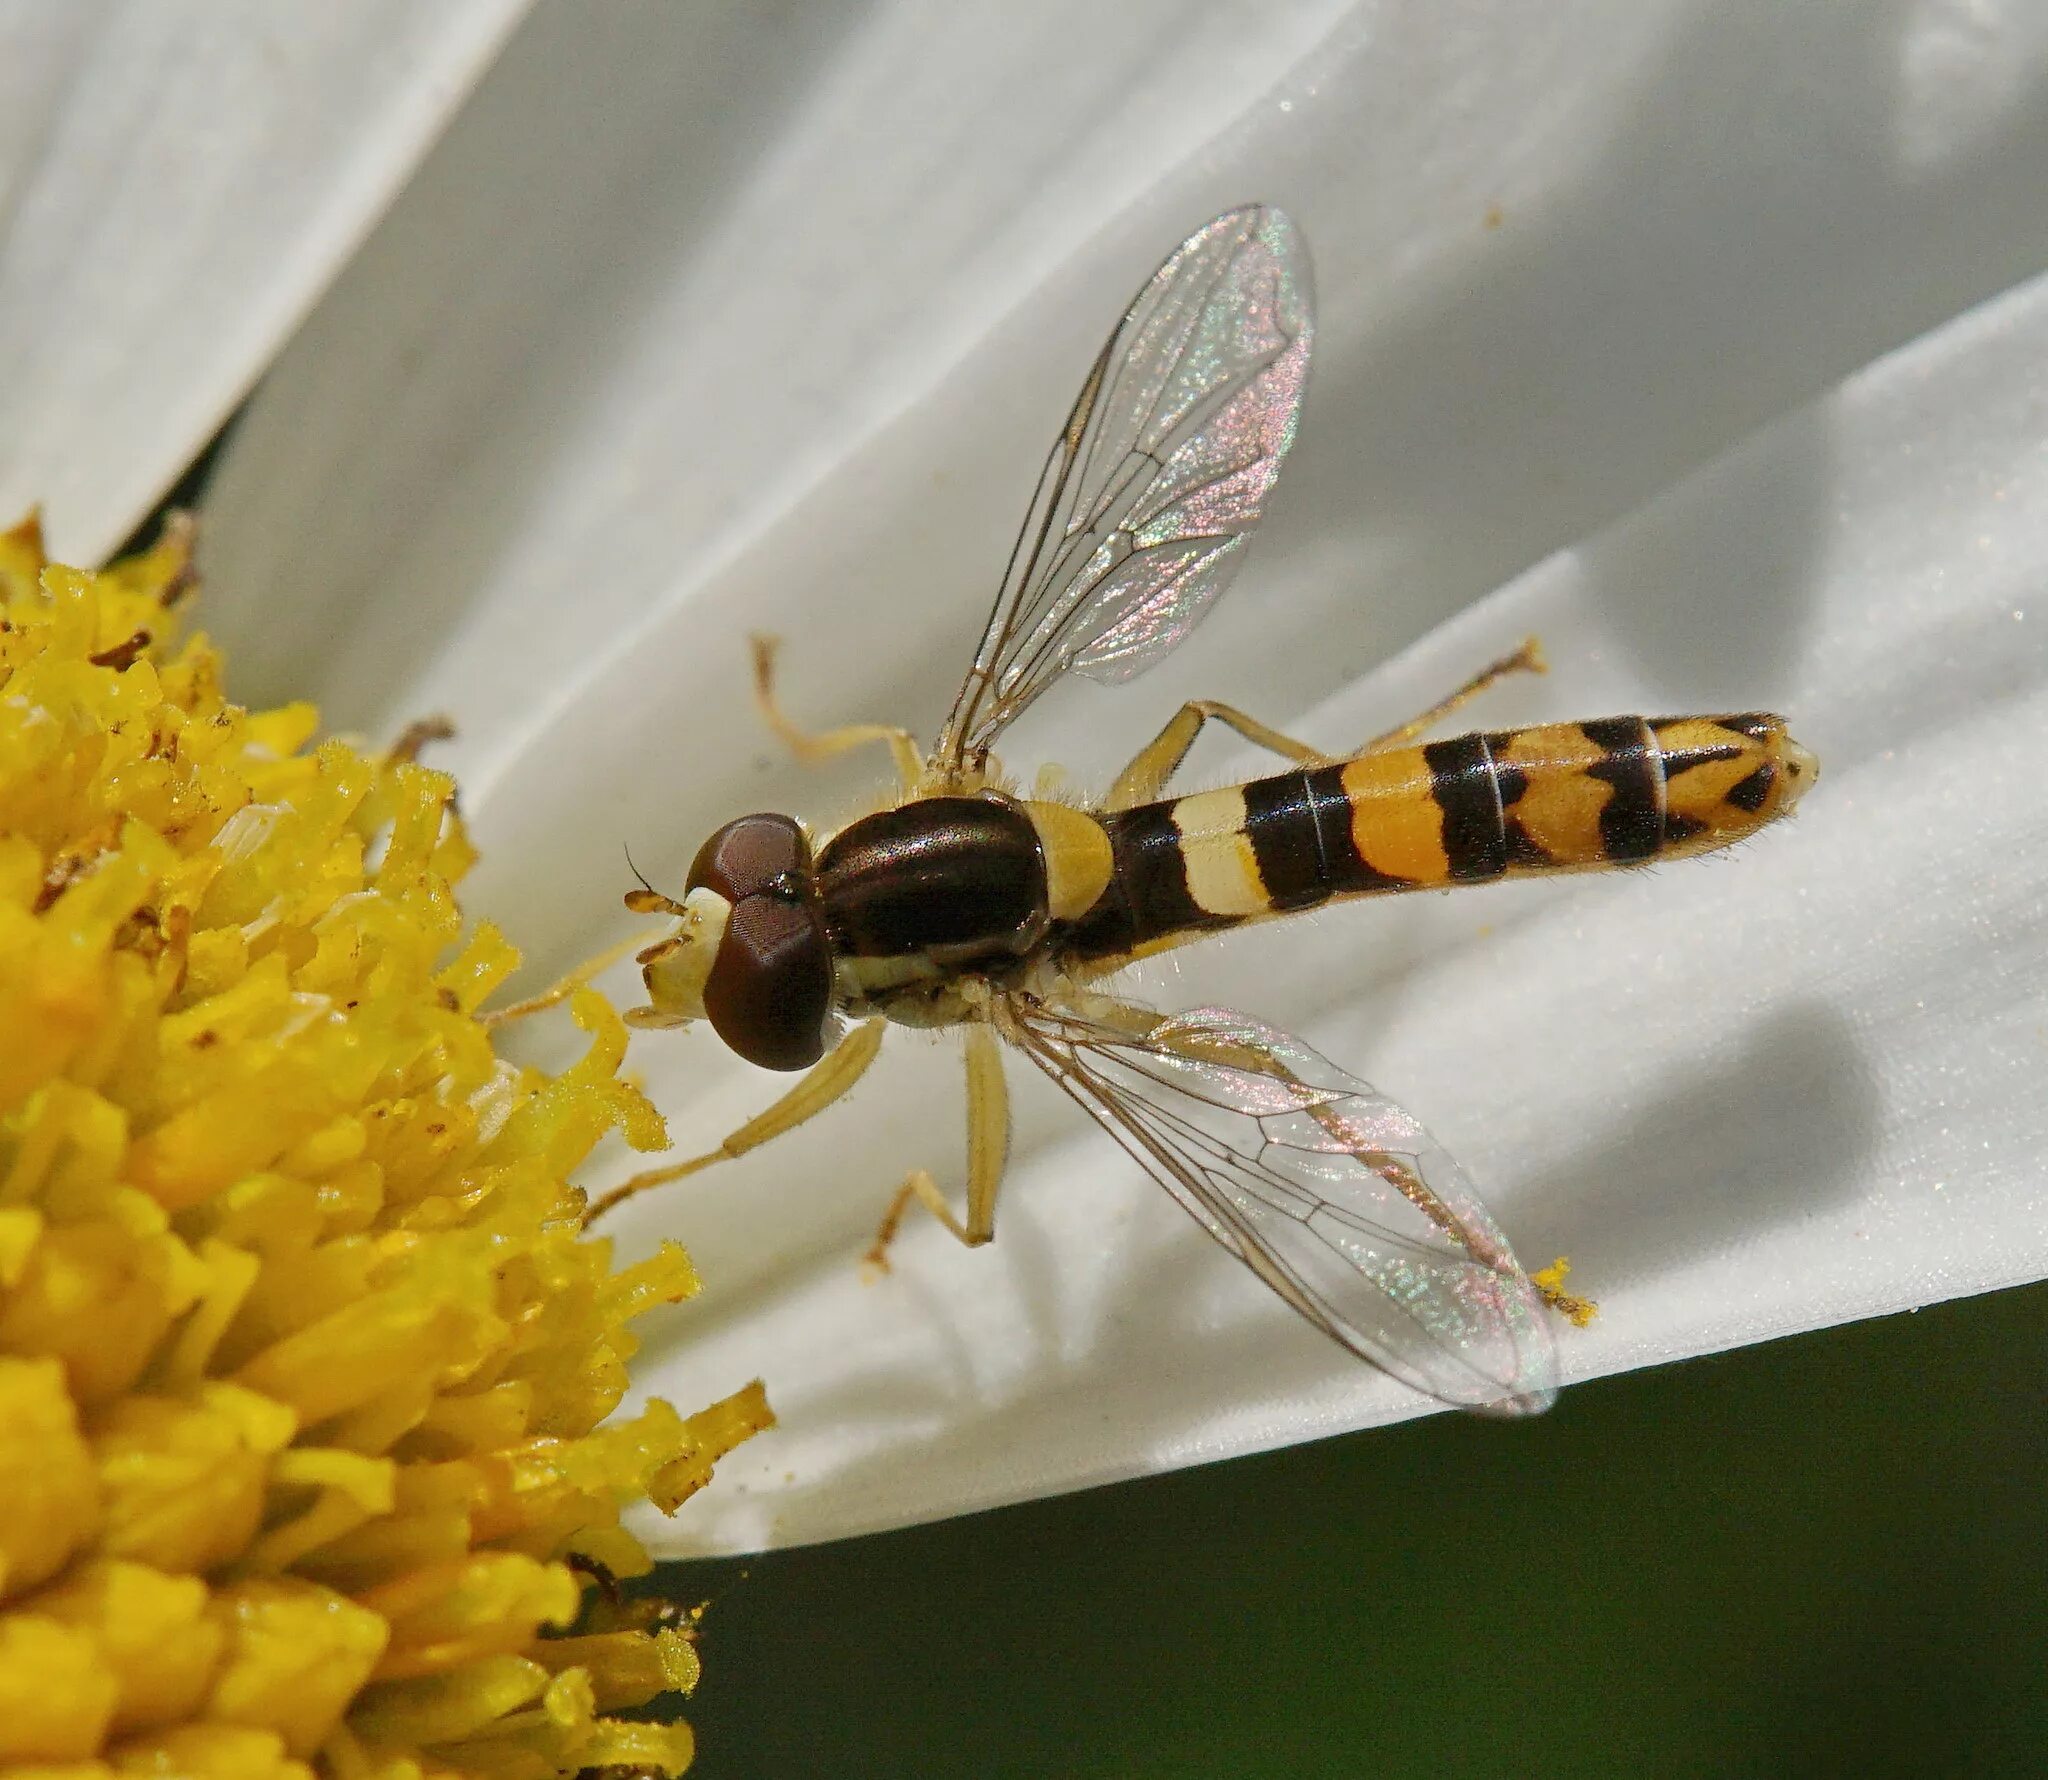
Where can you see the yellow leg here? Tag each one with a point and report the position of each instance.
(1146, 776)
(1528, 659)
(826, 1081)
(559, 992)
(1160, 758)
(819, 745)
(988, 1148)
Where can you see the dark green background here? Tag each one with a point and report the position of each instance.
(1821, 1556)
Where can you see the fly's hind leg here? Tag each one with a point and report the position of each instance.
(1528, 659)
(1160, 758)
(988, 1148)
(826, 1081)
(1157, 761)
(817, 745)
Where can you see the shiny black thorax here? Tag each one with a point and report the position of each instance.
(955, 879)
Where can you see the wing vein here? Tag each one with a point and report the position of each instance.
(1159, 475)
(1333, 1196)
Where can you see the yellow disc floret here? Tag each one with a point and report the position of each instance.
(304, 1365)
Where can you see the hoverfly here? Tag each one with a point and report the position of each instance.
(965, 903)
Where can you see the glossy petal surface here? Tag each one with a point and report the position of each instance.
(1698, 337)
(179, 179)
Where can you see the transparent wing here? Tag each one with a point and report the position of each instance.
(1329, 1192)
(1158, 477)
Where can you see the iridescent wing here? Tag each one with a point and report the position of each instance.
(1156, 481)
(1329, 1192)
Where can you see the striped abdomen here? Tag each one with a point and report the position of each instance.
(1562, 797)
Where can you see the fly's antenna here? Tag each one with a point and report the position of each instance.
(647, 900)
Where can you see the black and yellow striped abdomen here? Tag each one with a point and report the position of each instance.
(1561, 797)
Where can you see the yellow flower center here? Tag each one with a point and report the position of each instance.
(304, 1364)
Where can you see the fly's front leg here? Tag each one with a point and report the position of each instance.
(988, 1148)
(1528, 659)
(827, 1080)
(558, 992)
(819, 745)
(1156, 762)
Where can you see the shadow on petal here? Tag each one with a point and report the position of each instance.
(1774, 1126)
(1714, 594)
(1614, 333)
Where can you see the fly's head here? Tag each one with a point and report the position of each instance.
(751, 953)
(676, 970)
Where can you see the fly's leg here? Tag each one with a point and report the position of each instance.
(1528, 659)
(645, 901)
(558, 992)
(1160, 758)
(988, 1148)
(814, 746)
(1156, 762)
(826, 1081)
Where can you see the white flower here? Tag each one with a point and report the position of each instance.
(1709, 346)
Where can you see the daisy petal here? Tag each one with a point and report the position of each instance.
(774, 338)
(582, 363)
(1747, 1095)
(702, 323)
(181, 181)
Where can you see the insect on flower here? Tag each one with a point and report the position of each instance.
(965, 903)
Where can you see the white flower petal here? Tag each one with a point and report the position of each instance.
(584, 361)
(1748, 1095)
(681, 288)
(774, 339)
(180, 179)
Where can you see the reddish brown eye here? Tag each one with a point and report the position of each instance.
(770, 987)
(746, 856)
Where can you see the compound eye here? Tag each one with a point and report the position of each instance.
(770, 988)
(746, 856)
